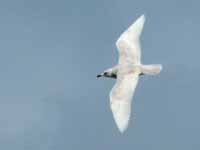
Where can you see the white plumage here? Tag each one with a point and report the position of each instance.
(127, 73)
(121, 95)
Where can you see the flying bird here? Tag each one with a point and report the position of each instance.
(127, 73)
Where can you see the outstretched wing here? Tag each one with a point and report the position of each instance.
(128, 43)
(121, 97)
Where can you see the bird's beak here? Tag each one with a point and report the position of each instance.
(99, 75)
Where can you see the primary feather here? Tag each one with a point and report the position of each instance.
(120, 99)
(128, 43)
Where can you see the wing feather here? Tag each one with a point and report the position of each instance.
(120, 99)
(128, 43)
(127, 76)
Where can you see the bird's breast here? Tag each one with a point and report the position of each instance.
(129, 69)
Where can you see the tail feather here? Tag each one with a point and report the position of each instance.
(151, 69)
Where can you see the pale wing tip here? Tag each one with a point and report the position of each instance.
(121, 114)
(136, 28)
(142, 18)
(122, 126)
(122, 123)
(140, 21)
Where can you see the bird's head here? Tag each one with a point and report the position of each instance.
(107, 73)
(103, 74)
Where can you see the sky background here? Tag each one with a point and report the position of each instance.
(51, 52)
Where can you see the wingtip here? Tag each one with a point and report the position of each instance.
(137, 26)
(121, 130)
(122, 123)
(142, 18)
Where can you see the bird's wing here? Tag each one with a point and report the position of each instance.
(121, 97)
(128, 43)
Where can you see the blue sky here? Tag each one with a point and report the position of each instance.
(51, 51)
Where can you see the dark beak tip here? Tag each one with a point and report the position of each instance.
(98, 75)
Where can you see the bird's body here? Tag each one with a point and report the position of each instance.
(127, 73)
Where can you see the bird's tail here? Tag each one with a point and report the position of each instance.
(151, 69)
